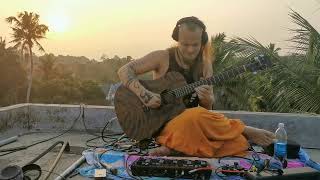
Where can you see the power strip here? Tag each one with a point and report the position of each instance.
(173, 168)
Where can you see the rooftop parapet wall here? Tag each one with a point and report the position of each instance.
(20, 118)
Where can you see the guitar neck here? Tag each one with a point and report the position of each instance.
(219, 78)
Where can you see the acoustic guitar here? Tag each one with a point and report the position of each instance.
(139, 122)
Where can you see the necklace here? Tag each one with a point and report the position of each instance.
(181, 60)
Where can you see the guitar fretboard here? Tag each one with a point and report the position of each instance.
(182, 91)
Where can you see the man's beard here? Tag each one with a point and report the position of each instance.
(187, 61)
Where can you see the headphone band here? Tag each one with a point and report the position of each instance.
(195, 20)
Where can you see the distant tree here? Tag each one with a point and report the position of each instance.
(4, 50)
(91, 91)
(104, 57)
(129, 58)
(273, 49)
(27, 31)
(2, 46)
(12, 79)
(116, 57)
(47, 66)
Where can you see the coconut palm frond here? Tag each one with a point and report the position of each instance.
(223, 56)
(290, 91)
(250, 48)
(39, 46)
(306, 39)
(293, 83)
(14, 20)
(229, 95)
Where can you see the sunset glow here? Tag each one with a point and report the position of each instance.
(134, 28)
(58, 22)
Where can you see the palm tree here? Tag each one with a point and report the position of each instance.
(303, 85)
(293, 84)
(26, 33)
(228, 95)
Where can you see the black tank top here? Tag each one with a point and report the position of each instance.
(188, 74)
(174, 66)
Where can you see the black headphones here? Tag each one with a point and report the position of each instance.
(204, 36)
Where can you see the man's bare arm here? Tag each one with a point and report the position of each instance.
(128, 76)
(128, 73)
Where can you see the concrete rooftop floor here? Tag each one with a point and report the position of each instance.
(77, 142)
(77, 145)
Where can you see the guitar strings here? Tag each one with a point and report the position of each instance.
(190, 87)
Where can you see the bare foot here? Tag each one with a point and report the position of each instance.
(259, 136)
(160, 151)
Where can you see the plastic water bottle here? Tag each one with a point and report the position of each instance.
(280, 145)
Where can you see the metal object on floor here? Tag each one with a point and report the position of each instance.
(46, 151)
(71, 168)
(65, 144)
(9, 140)
(31, 170)
(11, 173)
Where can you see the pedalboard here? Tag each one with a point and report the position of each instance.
(173, 168)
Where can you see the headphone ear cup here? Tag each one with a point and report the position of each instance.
(204, 38)
(175, 33)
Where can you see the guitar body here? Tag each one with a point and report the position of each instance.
(139, 123)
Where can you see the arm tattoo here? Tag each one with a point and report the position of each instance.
(131, 77)
(135, 65)
(131, 72)
(145, 96)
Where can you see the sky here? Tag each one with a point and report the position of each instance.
(137, 27)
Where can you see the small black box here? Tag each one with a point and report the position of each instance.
(304, 173)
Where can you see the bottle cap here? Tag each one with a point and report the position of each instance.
(281, 125)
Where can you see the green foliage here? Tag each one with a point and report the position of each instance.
(47, 67)
(68, 91)
(2, 46)
(91, 92)
(230, 94)
(291, 85)
(12, 80)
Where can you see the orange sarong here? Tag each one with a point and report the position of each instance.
(202, 133)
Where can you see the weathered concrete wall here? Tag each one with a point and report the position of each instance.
(304, 128)
(13, 117)
(24, 118)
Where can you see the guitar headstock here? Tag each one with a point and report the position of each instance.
(260, 62)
